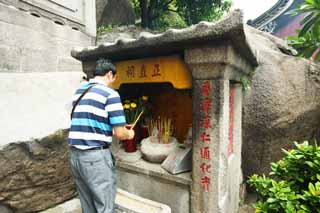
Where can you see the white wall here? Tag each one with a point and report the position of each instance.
(37, 73)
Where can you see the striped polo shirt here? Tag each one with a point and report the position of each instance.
(98, 111)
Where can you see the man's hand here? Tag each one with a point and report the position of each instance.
(131, 133)
(122, 133)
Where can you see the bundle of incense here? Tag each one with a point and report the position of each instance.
(163, 126)
(166, 130)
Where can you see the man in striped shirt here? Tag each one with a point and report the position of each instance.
(97, 116)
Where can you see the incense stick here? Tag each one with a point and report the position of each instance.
(135, 122)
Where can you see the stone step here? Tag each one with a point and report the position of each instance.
(125, 203)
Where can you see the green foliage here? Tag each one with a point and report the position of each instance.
(105, 28)
(306, 45)
(202, 10)
(294, 183)
(136, 7)
(169, 20)
(307, 42)
(162, 14)
(312, 19)
(245, 82)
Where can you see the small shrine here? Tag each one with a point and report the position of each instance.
(184, 87)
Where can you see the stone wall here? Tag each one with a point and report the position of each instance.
(78, 14)
(38, 75)
(38, 78)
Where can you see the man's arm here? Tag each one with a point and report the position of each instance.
(122, 133)
(117, 118)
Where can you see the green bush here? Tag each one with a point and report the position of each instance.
(169, 20)
(294, 183)
(106, 28)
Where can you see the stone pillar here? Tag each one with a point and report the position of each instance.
(216, 172)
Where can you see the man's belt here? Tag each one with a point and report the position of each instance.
(106, 146)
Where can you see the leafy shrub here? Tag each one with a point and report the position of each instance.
(169, 20)
(307, 41)
(106, 29)
(294, 183)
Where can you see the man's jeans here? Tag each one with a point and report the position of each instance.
(95, 178)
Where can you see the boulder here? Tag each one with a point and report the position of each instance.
(35, 174)
(117, 12)
(100, 5)
(4, 209)
(282, 106)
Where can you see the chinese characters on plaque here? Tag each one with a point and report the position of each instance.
(142, 72)
(205, 129)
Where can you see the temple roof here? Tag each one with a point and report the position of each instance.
(174, 41)
(266, 21)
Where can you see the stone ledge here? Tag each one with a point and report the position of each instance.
(155, 170)
(131, 203)
(125, 203)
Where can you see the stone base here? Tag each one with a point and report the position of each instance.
(125, 202)
(151, 181)
(129, 157)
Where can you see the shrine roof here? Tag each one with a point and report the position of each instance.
(174, 41)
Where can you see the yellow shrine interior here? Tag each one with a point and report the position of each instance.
(166, 81)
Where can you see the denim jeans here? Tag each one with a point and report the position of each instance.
(95, 179)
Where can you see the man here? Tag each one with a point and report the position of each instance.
(96, 117)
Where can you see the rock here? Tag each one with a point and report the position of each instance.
(282, 106)
(246, 209)
(4, 209)
(117, 12)
(35, 175)
(70, 206)
(100, 5)
(123, 32)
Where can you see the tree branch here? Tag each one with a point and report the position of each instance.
(315, 54)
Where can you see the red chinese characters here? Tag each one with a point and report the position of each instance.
(205, 129)
(205, 181)
(206, 106)
(204, 137)
(205, 122)
(205, 89)
(205, 153)
(205, 168)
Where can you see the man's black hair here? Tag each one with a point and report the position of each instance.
(103, 66)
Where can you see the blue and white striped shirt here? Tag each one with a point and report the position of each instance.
(98, 111)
